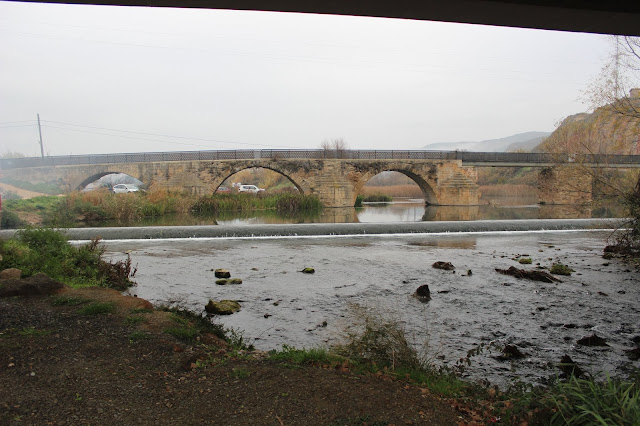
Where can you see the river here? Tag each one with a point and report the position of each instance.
(281, 305)
(400, 210)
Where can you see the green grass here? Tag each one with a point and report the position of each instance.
(240, 373)
(305, 356)
(141, 311)
(134, 320)
(68, 301)
(525, 261)
(589, 402)
(137, 336)
(185, 334)
(33, 332)
(98, 308)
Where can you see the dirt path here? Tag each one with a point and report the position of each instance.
(23, 193)
(60, 366)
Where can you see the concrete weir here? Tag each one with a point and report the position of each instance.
(333, 229)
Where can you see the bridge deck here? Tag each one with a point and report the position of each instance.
(479, 159)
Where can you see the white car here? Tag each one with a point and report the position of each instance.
(124, 188)
(250, 188)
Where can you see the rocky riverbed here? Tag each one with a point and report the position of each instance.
(472, 308)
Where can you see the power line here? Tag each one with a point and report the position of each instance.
(154, 134)
(18, 125)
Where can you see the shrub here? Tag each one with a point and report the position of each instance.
(379, 340)
(45, 250)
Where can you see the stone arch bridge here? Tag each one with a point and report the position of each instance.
(336, 177)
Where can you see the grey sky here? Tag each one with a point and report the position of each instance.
(238, 80)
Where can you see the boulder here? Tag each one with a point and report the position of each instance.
(530, 275)
(423, 293)
(37, 285)
(510, 352)
(225, 281)
(569, 367)
(447, 266)
(222, 273)
(593, 340)
(11, 273)
(223, 307)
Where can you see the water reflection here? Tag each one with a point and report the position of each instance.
(400, 210)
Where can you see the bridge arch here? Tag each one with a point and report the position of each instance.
(81, 185)
(239, 168)
(427, 190)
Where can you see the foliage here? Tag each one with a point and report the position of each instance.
(45, 250)
(586, 401)
(359, 200)
(10, 220)
(525, 260)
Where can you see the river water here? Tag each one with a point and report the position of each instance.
(400, 210)
(281, 305)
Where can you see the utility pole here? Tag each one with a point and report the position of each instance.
(40, 132)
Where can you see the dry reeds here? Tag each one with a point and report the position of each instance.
(408, 190)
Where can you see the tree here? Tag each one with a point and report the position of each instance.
(618, 87)
(335, 147)
(619, 80)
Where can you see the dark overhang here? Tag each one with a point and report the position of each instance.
(604, 17)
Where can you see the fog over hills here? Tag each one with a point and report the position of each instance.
(523, 141)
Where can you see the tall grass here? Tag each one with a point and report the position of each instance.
(101, 205)
(588, 402)
(408, 190)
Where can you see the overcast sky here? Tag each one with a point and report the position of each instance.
(117, 79)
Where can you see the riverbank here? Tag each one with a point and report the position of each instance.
(62, 364)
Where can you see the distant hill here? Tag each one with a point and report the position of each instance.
(522, 141)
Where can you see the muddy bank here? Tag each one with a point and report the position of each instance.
(315, 229)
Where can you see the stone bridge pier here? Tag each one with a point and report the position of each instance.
(565, 185)
(336, 182)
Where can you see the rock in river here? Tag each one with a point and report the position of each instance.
(530, 275)
(447, 266)
(593, 340)
(222, 273)
(225, 281)
(223, 307)
(422, 293)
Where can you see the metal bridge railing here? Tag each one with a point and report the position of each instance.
(487, 158)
